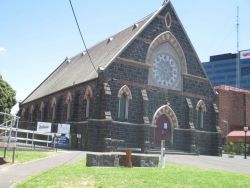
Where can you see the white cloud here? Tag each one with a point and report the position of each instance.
(2, 50)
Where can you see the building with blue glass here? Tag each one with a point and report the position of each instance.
(221, 69)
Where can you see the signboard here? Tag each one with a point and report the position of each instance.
(43, 127)
(64, 130)
(165, 125)
(245, 54)
(78, 135)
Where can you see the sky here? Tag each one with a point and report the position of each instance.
(37, 35)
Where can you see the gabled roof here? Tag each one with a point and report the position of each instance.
(79, 69)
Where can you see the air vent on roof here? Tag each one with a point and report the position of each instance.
(67, 60)
(100, 69)
(164, 2)
(135, 26)
(110, 39)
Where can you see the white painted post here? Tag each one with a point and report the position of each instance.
(162, 159)
(32, 140)
(17, 121)
(48, 140)
(27, 137)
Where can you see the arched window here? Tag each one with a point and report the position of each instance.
(23, 113)
(42, 105)
(31, 112)
(200, 109)
(69, 104)
(53, 107)
(124, 96)
(87, 96)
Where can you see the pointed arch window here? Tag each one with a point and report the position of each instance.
(53, 107)
(200, 111)
(124, 96)
(23, 113)
(31, 111)
(41, 109)
(87, 96)
(69, 105)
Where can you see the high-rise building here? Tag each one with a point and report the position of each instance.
(222, 69)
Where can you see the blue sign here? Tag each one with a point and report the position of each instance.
(62, 140)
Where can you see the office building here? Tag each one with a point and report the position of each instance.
(222, 69)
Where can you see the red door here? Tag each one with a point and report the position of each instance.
(163, 130)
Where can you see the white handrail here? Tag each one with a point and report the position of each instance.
(3, 113)
(27, 139)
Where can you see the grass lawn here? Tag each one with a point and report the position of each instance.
(78, 175)
(24, 156)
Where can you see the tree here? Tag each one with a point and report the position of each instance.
(7, 96)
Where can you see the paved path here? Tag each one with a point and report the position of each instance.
(236, 164)
(11, 174)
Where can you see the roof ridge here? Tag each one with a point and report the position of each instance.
(153, 15)
(113, 35)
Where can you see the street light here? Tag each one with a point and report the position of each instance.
(245, 130)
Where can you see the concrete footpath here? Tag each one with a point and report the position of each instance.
(237, 164)
(11, 174)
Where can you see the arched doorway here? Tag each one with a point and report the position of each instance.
(163, 129)
(165, 121)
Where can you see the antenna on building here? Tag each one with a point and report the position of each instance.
(237, 55)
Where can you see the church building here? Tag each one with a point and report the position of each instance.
(148, 85)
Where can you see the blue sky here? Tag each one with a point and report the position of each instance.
(36, 36)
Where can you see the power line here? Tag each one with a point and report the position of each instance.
(82, 36)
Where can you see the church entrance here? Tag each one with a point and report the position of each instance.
(165, 121)
(163, 130)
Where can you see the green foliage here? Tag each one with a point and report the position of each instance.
(235, 148)
(239, 147)
(7, 96)
(78, 175)
(230, 148)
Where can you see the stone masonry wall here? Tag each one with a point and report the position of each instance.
(195, 84)
(78, 108)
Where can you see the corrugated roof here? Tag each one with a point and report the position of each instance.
(80, 69)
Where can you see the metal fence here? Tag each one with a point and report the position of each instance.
(27, 136)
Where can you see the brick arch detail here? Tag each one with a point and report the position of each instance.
(201, 104)
(69, 98)
(42, 105)
(125, 91)
(170, 38)
(53, 102)
(31, 110)
(166, 110)
(88, 93)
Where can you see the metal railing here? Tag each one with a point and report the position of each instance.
(8, 122)
(29, 136)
